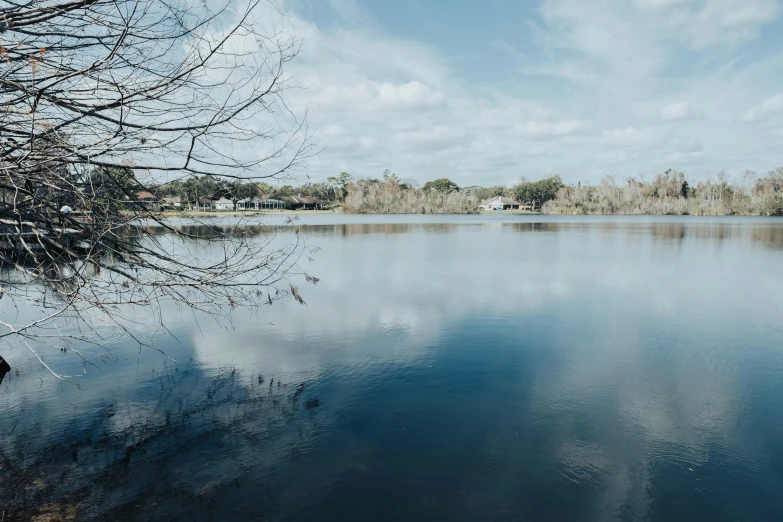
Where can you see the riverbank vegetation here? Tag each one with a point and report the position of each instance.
(670, 193)
(393, 196)
(388, 195)
(194, 191)
(368, 195)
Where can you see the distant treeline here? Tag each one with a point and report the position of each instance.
(671, 194)
(387, 195)
(391, 195)
(668, 193)
(199, 188)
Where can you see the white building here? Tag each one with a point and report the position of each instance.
(499, 203)
(223, 204)
(260, 204)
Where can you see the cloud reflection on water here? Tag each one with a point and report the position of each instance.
(609, 360)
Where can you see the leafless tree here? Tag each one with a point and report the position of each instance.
(103, 99)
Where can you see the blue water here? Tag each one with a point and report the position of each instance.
(444, 368)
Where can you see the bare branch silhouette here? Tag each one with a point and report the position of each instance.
(102, 101)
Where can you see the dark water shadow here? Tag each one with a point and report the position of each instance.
(4, 369)
(196, 443)
(338, 230)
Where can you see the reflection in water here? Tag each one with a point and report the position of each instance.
(344, 229)
(467, 370)
(171, 453)
(770, 236)
(768, 232)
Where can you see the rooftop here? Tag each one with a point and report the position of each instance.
(503, 200)
(302, 200)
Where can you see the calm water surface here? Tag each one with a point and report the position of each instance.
(445, 368)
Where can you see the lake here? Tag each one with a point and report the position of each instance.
(444, 368)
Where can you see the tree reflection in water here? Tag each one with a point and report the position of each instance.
(197, 441)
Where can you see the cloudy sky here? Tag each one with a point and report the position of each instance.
(486, 92)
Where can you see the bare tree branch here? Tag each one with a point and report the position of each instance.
(101, 100)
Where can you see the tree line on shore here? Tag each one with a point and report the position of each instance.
(670, 193)
(391, 195)
(197, 189)
(667, 193)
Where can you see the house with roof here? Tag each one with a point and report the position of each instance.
(500, 203)
(306, 202)
(223, 204)
(301, 202)
(260, 204)
(146, 200)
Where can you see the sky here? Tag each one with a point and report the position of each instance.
(488, 92)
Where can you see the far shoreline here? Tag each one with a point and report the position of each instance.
(288, 212)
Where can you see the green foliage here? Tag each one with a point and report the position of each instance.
(284, 191)
(237, 190)
(196, 189)
(485, 193)
(338, 185)
(537, 193)
(171, 189)
(264, 190)
(441, 185)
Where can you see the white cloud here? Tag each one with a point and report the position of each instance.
(615, 157)
(536, 150)
(605, 31)
(410, 94)
(675, 111)
(603, 75)
(703, 23)
(434, 138)
(770, 106)
(659, 4)
(728, 21)
(571, 71)
(542, 130)
(377, 96)
(423, 120)
(680, 157)
(624, 137)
